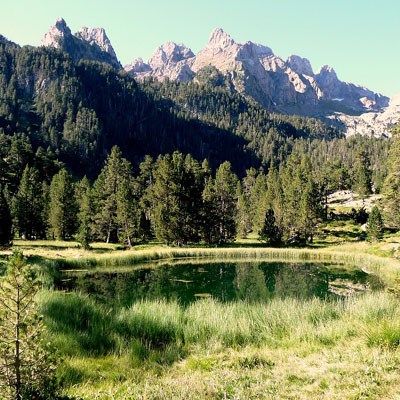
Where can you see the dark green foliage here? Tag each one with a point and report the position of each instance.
(243, 219)
(391, 186)
(63, 207)
(375, 225)
(359, 216)
(81, 110)
(211, 99)
(28, 206)
(362, 175)
(270, 233)
(219, 202)
(5, 221)
(85, 215)
(114, 201)
(175, 199)
(302, 200)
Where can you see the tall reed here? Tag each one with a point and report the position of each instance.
(80, 326)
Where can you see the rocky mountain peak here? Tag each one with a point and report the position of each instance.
(87, 43)
(138, 66)
(327, 70)
(96, 36)
(219, 38)
(289, 86)
(256, 50)
(300, 65)
(62, 26)
(170, 52)
(56, 34)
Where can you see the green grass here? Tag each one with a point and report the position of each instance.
(94, 330)
(211, 350)
(284, 349)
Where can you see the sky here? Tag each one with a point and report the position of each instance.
(358, 38)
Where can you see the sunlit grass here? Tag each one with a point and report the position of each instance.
(312, 349)
(330, 349)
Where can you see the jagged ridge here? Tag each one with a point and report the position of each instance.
(289, 86)
(87, 43)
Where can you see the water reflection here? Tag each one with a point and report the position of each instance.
(227, 281)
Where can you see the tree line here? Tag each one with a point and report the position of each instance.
(178, 200)
(173, 198)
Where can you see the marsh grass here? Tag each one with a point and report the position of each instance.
(210, 349)
(77, 324)
(157, 325)
(160, 343)
(343, 349)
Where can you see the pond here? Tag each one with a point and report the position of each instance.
(187, 281)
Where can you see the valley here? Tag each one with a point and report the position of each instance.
(216, 224)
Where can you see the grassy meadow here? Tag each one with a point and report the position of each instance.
(283, 349)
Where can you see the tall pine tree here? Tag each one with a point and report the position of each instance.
(5, 221)
(63, 207)
(28, 206)
(375, 225)
(391, 186)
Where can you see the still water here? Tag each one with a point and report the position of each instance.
(225, 281)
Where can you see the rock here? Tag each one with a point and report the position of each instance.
(373, 124)
(88, 43)
(138, 67)
(97, 36)
(284, 86)
(57, 34)
(220, 39)
(170, 61)
(300, 65)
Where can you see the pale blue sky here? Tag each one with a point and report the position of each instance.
(358, 38)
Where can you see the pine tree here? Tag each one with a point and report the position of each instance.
(209, 230)
(175, 199)
(243, 220)
(310, 211)
(62, 208)
(128, 212)
(375, 225)
(145, 180)
(219, 206)
(5, 221)
(270, 233)
(84, 200)
(27, 208)
(27, 370)
(362, 174)
(293, 180)
(106, 187)
(257, 201)
(391, 186)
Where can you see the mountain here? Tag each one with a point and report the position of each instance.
(289, 86)
(88, 43)
(79, 108)
(168, 61)
(372, 124)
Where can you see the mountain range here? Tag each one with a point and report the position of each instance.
(283, 86)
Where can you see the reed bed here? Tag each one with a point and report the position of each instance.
(95, 330)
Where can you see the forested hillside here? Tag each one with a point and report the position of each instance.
(79, 111)
(59, 121)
